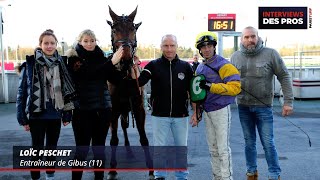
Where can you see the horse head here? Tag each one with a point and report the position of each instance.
(123, 33)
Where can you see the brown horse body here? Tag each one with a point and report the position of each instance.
(124, 96)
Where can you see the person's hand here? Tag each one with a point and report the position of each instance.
(194, 120)
(135, 72)
(136, 60)
(116, 58)
(286, 110)
(65, 123)
(204, 85)
(26, 127)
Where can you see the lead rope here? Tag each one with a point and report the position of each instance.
(199, 111)
(137, 81)
(271, 108)
(135, 71)
(280, 115)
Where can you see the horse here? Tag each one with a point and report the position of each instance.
(126, 97)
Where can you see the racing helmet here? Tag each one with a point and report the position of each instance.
(205, 38)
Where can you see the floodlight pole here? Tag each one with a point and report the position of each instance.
(2, 56)
(4, 85)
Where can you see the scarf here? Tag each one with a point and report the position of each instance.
(51, 81)
(252, 52)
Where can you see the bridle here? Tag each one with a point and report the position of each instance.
(132, 44)
(125, 21)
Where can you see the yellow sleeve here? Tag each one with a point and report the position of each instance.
(233, 86)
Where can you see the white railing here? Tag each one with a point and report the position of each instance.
(303, 60)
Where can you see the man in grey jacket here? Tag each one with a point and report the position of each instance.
(258, 65)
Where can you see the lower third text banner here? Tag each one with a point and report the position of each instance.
(100, 157)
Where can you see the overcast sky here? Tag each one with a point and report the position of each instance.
(25, 20)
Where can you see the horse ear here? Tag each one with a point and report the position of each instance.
(112, 14)
(136, 26)
(133, 14)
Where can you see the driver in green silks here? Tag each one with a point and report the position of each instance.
(222, 83)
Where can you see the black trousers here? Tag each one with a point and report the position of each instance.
(44, 130)
(90, 126)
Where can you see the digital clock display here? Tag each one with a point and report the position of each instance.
(221, 24)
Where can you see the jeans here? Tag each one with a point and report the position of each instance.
(262, 118)
(161, 127)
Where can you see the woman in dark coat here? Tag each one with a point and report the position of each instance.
(90, 70)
